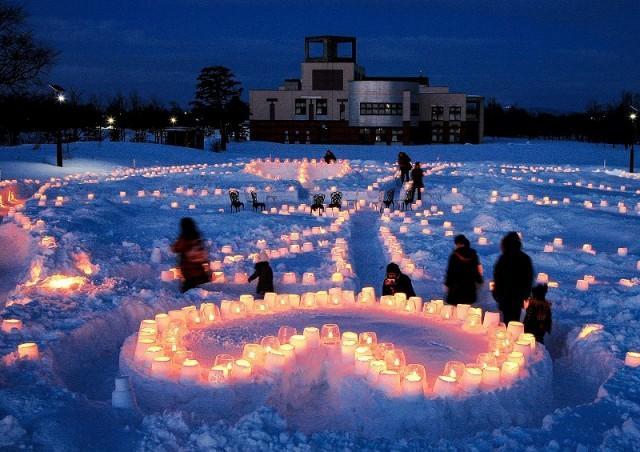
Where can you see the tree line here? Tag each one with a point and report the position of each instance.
(27, 105)
(598, 123)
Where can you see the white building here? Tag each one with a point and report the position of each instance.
(335, 102)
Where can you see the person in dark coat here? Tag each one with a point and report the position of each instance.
(397, 282)
(513, 278)
(404, 165)
(193, 258)
(537, 319)
(329, 157)
(463, 273)
(417, 176)
(264, 274)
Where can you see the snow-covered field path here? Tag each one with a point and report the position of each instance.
(545, 190)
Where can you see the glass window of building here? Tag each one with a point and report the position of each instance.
(473, 109)
(380, 109)
(455, 113)
(436, 134)
(437, 113)
(301, 106)
(321, 107)
(454, 133)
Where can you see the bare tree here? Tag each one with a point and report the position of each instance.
(22, 57)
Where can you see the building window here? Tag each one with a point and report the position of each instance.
(454, 133)
(396, 135)
(436, 134)
(455, 113)
(343, 110)
(380, 109)
(321, 107)
(301, 107)
(473, 111)
(437, 113)
(415, 109)
(326, 80)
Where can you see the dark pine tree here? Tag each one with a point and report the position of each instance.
(215, 91)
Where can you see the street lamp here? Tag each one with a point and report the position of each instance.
(61, 98)
(173, 120)
(632, 116)
(111, 121)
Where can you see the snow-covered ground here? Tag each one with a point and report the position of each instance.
(116, 242)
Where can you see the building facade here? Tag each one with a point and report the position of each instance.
(335, 102)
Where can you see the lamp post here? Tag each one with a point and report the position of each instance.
(60, 98)
(632, 116)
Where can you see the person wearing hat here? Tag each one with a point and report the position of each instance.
(463, 273)
(264, 273)
(397, 282)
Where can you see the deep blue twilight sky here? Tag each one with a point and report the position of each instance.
(551, 54)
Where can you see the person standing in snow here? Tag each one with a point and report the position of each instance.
(397, 282)
(264, 273)
(417, 176)
(463, 273)
(329, 157)
(404, 165)
(537, 319)
(193, 257)
(512, 278)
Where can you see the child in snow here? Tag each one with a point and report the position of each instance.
(264, 273)
(329, 157)
(193, 258)
(397, 282)
(537, 320)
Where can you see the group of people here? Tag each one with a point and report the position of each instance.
(512, 275)
(512, 286)
(411, 173)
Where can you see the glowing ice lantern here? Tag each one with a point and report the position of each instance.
(473, 323)
(308, 300)
(557, 242)
(28, 350)
(209, 312)
(312, 335)
(289, 278)
(482, 241)
(491, 320)
(240, 278)
(515, 329)
(9, 325)
(587, 248)
(307, 247)
(414, 380)
(299, 342)
(174, 204)
(285, 333)
(389, 382)
(241, 370)
(632, 359)
(337, 278)
(445, 386)
(622, 251)
(395, 359)
(490, 377)
(542, 278)
(161, 367)
(548, 248)
(509, 372)
(388, 302)
(461, 311)
(330, 334)
(348, 348)
(582, 285)
(226, 249)
(254, 353)
(471, 379)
